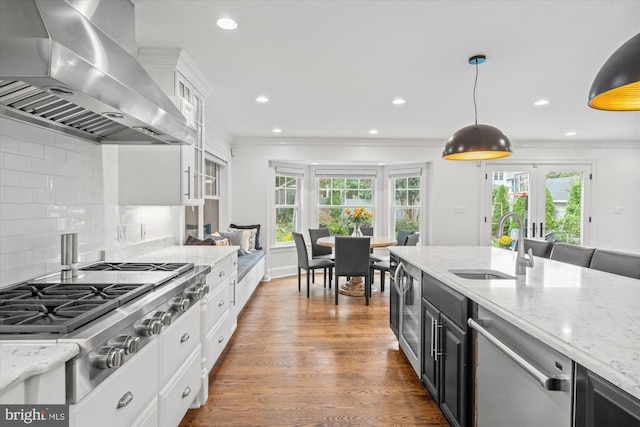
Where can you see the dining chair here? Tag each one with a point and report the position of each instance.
(402, 236)
(319, 251)
(310, 265)
(352, 260)
(413, 239)
(572, 254)
(624, 264)
(384, 266)
(540, 248)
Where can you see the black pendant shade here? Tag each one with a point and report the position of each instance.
(617, 85)
(477, 142)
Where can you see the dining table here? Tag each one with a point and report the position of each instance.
(355, 286)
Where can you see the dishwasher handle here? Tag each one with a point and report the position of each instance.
(547, 382)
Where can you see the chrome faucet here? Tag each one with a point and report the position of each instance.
(522, 261)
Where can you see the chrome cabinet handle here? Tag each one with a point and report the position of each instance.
(188, 172)
(234, 292)
(186, 392)
(221, 303)
(220, 339)
(125, 400)
(222, 273)
(437, 352)
(395, 278)
(547, 382)
(433, 336)
(185, 337)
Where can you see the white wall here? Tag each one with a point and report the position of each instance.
(51, 184)
(452, 184)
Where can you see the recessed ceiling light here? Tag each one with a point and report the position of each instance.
(262, 99)
(373, 131)
(227, 24)
(380, 164)
(314, 163)
(277, 130)
(570, 133)
(541, 102)
(398, 101)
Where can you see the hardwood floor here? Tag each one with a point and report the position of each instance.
(295, 361)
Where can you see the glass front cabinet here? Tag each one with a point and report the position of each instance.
(171, 175)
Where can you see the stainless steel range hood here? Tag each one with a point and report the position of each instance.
(60, 69)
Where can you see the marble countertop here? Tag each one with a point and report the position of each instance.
(22, 360)
(590, 316)
(199, 255)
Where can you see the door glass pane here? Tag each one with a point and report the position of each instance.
(191, 220)
(406, 204)
(510, 193)
(563, 207)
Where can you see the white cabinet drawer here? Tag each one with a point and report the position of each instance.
(176, 397)
(220, 272)
(149, 417)
(178, 341)
(136, 379)
(13, 395)
(217, 339)
(217, 304)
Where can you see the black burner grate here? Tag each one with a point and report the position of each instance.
(140, 266)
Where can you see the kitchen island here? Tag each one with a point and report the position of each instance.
(589, 316)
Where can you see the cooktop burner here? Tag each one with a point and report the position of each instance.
(61, 308)
(139, 266)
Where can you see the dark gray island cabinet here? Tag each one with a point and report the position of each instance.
(446, 355)
(490, 343)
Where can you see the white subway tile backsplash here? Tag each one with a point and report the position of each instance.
(32, 180)
(54, 153)
(33, 150)
(52, 183)
(9, 178)
(44, 166)
(16, 162)
(9, 144)
(16, 129)
(16, 195)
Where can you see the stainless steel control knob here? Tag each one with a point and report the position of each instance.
(150, 327)
(108, 357)
(179, 304)
(128, 343)
(195, 293)
(163, 316)
(205, 288)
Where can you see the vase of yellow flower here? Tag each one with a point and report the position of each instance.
(358, 217)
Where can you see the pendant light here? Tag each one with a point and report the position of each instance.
(477, 142)
(617, 85)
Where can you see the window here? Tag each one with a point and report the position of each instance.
(287, 201)
(406, 205)
(335, 194)
(211, 184)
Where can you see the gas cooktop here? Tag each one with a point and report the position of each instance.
(56, 305)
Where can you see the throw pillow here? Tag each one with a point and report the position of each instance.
(245, 227)
(248, 238)
(235, 239)
(193, 241)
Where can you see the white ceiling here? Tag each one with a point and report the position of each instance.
(332, 68)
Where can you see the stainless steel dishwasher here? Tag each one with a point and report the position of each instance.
(520, 381)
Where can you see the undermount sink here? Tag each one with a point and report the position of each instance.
(482, 274)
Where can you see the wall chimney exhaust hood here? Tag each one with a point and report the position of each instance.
(61, 67)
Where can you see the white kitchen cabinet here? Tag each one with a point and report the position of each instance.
(217, 318)
(48, 387)
(176, 397)
(117, 402)
(168, 175)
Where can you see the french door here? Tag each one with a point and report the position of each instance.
(552, 199)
